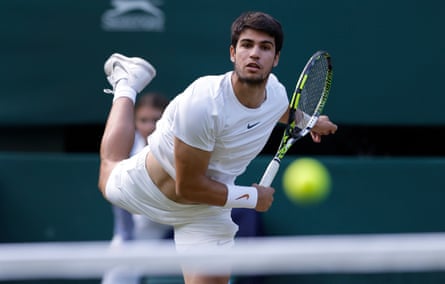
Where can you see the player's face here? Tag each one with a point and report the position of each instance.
(146, 118)
(254, 56)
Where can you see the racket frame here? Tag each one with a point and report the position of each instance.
(293, 133)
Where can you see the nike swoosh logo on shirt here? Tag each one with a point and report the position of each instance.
(252, 125)
(246, 196)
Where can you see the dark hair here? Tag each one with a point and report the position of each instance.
(152, 99)
(261, 22)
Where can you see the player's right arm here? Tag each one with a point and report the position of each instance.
(193, 185)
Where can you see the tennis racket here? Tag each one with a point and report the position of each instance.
(306, 105)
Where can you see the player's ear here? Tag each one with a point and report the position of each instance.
(277, 59)
(232, 53)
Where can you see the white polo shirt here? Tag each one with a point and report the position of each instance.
(208, 116)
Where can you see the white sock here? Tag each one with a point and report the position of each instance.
(123, 90)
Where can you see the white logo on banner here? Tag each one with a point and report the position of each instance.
(134, 15)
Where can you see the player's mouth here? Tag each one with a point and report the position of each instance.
(253, 67)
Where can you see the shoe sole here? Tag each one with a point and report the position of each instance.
(131, 60)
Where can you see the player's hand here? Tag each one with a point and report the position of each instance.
(324, 126)
(265, 197)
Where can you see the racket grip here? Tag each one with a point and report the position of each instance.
(270, 173)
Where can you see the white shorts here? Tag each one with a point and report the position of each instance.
(130, 187)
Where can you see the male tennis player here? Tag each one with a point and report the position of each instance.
(206, 137)
(127, 227)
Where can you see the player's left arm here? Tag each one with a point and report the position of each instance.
(324, 126)
(285, 117)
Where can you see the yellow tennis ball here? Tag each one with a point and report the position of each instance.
(306, 181)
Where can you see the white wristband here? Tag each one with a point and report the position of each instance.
(241, 196)
(123, 90)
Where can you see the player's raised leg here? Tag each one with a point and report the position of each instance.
(128, 76)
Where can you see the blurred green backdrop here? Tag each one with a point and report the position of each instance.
(388, 63)
(388, 55)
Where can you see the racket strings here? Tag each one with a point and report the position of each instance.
(313, 90)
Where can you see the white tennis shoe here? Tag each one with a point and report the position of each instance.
(136, 70)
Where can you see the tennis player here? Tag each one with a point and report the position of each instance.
(206, 137)
(127, 226)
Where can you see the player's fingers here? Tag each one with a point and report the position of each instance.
(316, 137)
(334, 128)
(265, 197)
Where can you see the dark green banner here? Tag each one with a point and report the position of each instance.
(388, 56)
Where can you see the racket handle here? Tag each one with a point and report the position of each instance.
(270, 173)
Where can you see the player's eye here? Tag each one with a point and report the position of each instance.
(246, 44)
(266, 47)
